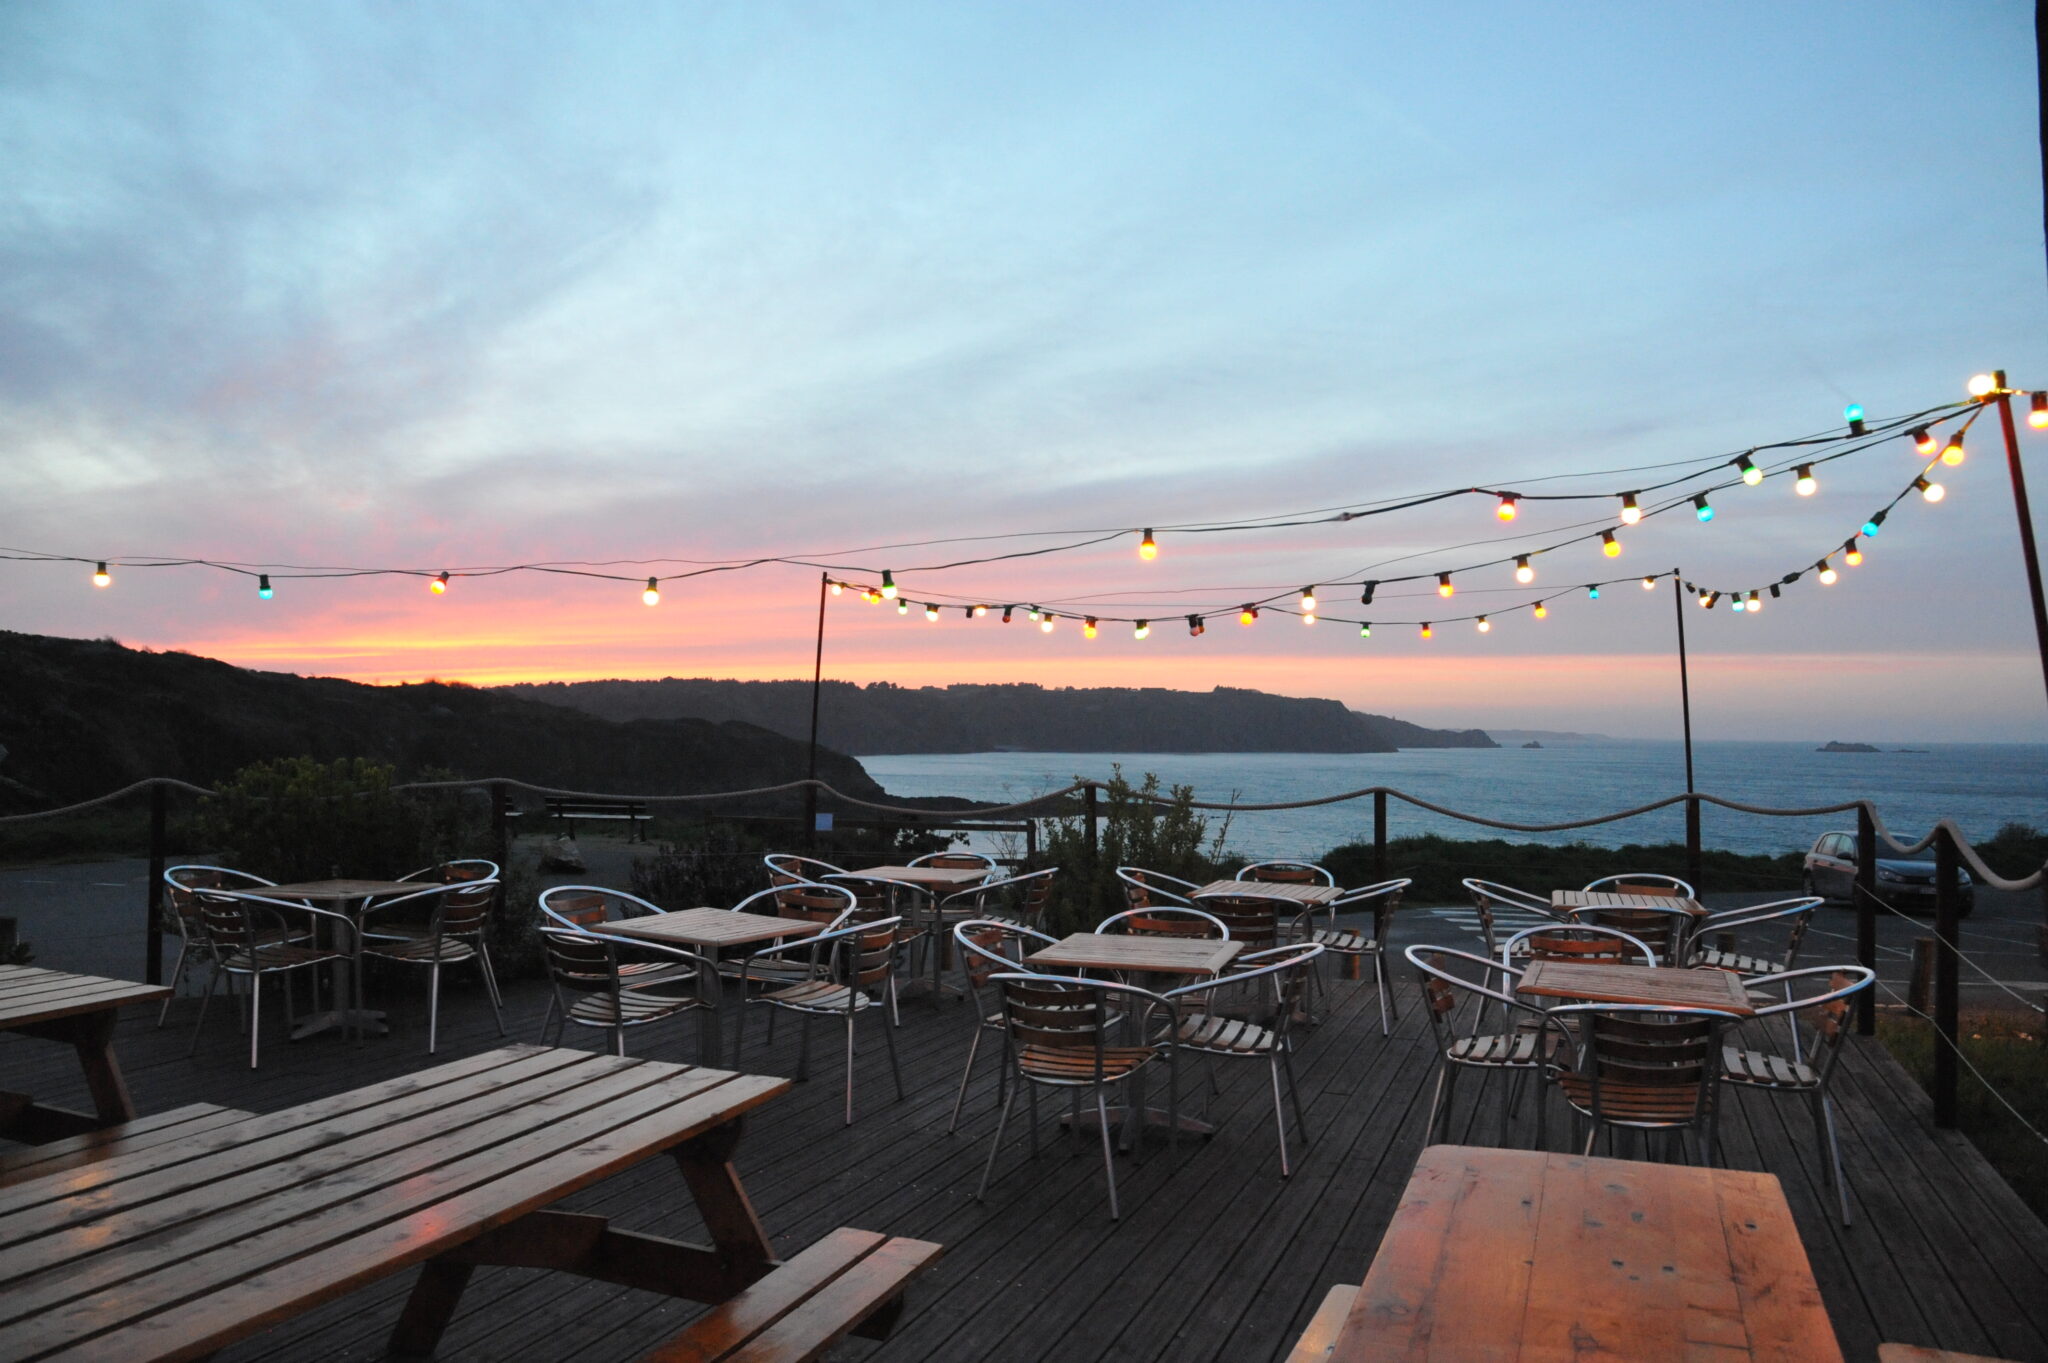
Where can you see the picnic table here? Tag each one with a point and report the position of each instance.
(1663, 986)
(710, 932)
(179, 1247)
(1521, 1255)
(80, 1011)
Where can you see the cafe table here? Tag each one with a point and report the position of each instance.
(710, 933)
(1566, 900)
(936, 882)
(173, 1249)
(78, 1011)
(1144, 955)
(1309, 896)
(1515, 1256)
(349, 898)
(1663, 986)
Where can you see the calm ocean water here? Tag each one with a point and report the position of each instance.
(1979, 785)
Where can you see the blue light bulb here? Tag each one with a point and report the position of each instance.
(1853, 412)
(1593, 593)
(1869, 529)
(1701, 508)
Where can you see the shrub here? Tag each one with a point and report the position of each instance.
(297, 818)
(1132, 830)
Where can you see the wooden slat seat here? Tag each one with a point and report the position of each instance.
(1517, 1048)
(1711, 959)
(1319, 1341)
(821, 996)
(1626, 1102)
(852, 1280)
(122, 1138)
(278, 956)
(1765, 1070)
(411, 946)
(1223, 1035)
(1076, 1064)
(632, 1006)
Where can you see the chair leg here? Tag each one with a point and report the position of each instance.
(212, 983)
(177, 978)
(995, 1145)
(849, 1066)
(1379, 977)
(433, 1005)
(1108, 1155)
(973, 1048)
(895, 1067)
(255, 1014)
(1436, 1100)
(1294, 1095)
(1824, 1119)
(548, 1016)
(1031, 1099)
(483, 957)
(1279, 1114)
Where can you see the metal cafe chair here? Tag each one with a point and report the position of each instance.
(1644, 1067)
(842, 965)
(1271, 1039)
(1143, 887)
(985, 947)
(577, 907)
(1530, 1045)
(458, 917)
(1828, 1013)
(1664, 930)
(956, 861)
(592, 989)
(1643, 882)
(1793, 916)
(1381, 899)
(1020, 899)
(1057, 1035)
(180, 883)
(1491, 898)
(784, 867)
(1286, 873)
(1586, 943)
(247, 934)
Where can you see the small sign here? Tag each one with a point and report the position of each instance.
(824, 824)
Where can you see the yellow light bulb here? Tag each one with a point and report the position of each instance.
(1609, 545)
(438, 585)
(838, 587)
(1143, 630)
(1148, 548)
(931, 612)
(1443, 584)
(652, 596)
(1088, 628)
(1807, 484)
(1923, 440)
(1649, 584)
(1247, 615)
(100, 576)
(1308, 600)
(980, 611)
(1508, 507)
(1541, 610)
(1308, 618)
(1523, 572)
(1630, 512)
(1045, 625)
(1952, 453)
(1934, 492)
(1828, 574)
(1854, 558)
(1981, 385)
(2037, 411)
(1427, 631)
(1485, 625)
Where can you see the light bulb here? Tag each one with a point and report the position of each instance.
(1088, 628)
(1541, 610)
(1706, 598)
(1308, 618)
(1807, 484)
(1592, 593)
(1827, 573)
(1006, 613)
(1751, 474)
(931, 612)
(902, 606)
(1045, 625)
(1870, 527)
(1195, 626)
(1649, 584)
(1485, 625)
(1923, 440)
(1443, 584)
(1508, 506)
(1933, 492)
(967, 611)
(838, 587)
(888, 585)
(1609, 545)
(1523, 572)
(1852, 555)
(1036, 615)
(1756, 603)
(2037, 411)
(263, 586)
(1365, 596)
(100, 576)
(1630, 512)
(1701, 509)
(1143, 630)
(1952, 453)
(1308, 600)
(1148, 548)
(1426, 630)
(1712, 597)
(1981, 385)
(439, 584)
(1853, 414)
(1248, 614)
(652, 596)
(1739, 603)
(1365, 629)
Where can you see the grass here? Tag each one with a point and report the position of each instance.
(2008, 1046)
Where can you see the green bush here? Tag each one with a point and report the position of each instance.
(2007, 1048)
(1131, 830)
(1437, 865)
(301, 819)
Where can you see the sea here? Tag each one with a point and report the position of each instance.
(1981, 786)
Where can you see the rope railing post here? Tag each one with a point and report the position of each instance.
(153, 947)
(1947, 916)
(1866, 916)
(1379, 835)
(1692, 843)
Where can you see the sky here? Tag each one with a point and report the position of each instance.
(435, 287)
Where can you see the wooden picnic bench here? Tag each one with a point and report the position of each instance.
(567, 812)
(78, 1011)
(173, 1248)
(122, 1138)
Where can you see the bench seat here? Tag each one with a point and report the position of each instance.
(53, 1157)
(850, 1281)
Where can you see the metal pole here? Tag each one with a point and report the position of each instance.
(1692, 805)
(501, 839)
(2026, 515)
(1947, 918)
(817, 682)
(1866, 915)
(159, 809)
(1379, 835)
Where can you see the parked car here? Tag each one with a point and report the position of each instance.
(1904, 883)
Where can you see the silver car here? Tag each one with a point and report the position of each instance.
(1905, 884)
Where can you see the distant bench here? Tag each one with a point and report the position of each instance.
(569, 811)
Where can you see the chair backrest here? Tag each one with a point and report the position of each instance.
(1645, 1047)
(1484, 982)
(580, 961)
(1248, 918)
(466, 868)
(1287, 873)
(1165, 920)
(872, 898)
(1280, 974)
(1585, 943)
(1663, 930)
(455, 908)
(863, 953)
(181, 881)
(1060, 1013)
(816, 903)
(1143, 888)
(1643, 882)
(956, 861)
(786, 867)
(990, 945)
(582, 906)
(1792, 915)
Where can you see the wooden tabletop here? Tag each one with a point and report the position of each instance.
(339, 890)
(29, 995)
(1720, 989)
(931, 877)
(1515, 1256)
(1274, 889)
(709, 929)
(1608, 899)
(1120, 951)
(177, 1249)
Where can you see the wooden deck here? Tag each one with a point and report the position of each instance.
(1217, 1258)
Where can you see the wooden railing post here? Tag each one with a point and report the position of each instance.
(153, 948)
(1947, 919)
(1692, 844)
(1379, 835)
(1866, 915)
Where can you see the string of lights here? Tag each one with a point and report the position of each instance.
(1856, 436)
